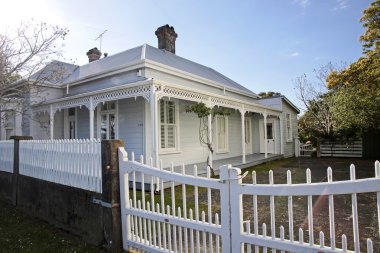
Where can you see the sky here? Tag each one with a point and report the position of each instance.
(262, 44)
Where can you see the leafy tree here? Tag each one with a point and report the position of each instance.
(317, 119)
(269, 94)
(24, 53)
(356, 88)
(203, 112)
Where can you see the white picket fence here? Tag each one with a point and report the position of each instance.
(152, 224)
(6, 155)
(75, 163)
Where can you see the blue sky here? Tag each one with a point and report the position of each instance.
(261, 44)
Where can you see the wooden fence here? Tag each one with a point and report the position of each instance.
(341, 148)
(6, 155)
(157, 223)
(75, 163)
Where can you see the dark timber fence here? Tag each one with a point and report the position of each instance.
(94, 216)
(341, 148)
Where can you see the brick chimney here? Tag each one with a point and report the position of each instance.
(94, 54)
(166, 38)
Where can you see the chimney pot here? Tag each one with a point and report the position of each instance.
(94, 54)
(166, 38)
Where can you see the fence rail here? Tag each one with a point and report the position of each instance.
(75, 163)
(341, 148)
(157, 223)
(6, 155)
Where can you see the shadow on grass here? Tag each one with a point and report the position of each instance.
(20, 232)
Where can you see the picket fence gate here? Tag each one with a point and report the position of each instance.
(152, 224)
(71, 162)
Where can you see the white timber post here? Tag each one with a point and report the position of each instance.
(265, 135)
(231, 209)
(242, 113)
(281, 133)
(51, 114)
(91, 110)
(209, 122)
(154, 125)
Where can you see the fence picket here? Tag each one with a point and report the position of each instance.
(310, 210)
(355, 212)
(331, 211)
(180, 242)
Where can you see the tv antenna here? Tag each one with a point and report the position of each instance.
(100, 38)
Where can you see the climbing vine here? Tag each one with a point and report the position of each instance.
(202, 111)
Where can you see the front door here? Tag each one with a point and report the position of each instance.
(70, 125)
(248, 136)
(271, 136)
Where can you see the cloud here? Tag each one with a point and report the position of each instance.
(295, 54)
(342, 4)
(302, 3)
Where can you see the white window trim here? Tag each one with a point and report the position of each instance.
(176, 149)
(99, 112)
(289, 134)
(227, 149)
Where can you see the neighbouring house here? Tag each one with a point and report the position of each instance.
(140, 96)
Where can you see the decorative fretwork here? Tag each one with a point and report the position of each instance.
(72, 103)
(143, 91)
(252, 108)
(226, 103)
(182, 94)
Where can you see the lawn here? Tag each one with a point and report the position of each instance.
(22, 233)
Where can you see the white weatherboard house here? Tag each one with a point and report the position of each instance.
(140, 96)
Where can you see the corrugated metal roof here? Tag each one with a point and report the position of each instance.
(75, 73)
(175, 61)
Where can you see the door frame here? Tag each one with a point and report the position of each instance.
(261, 129)
(248, 148)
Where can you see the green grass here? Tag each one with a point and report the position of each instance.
(202, 192)
(264, 167)
(22, 233)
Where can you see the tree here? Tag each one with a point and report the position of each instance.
(318, 119)
(23, 55)
(269, 94)
(356, 88)
(203, 112)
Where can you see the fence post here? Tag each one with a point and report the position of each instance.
(111, 194)
(231, 209)
(16, 165)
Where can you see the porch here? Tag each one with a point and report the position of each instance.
(251, 160)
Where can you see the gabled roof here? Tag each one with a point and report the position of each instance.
(54, 73)
(282, 97)
(147, 52)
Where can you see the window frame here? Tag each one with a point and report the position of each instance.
(288, 127)
(175, 149)
(226, 135)
(107, 111)
(9, 127)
